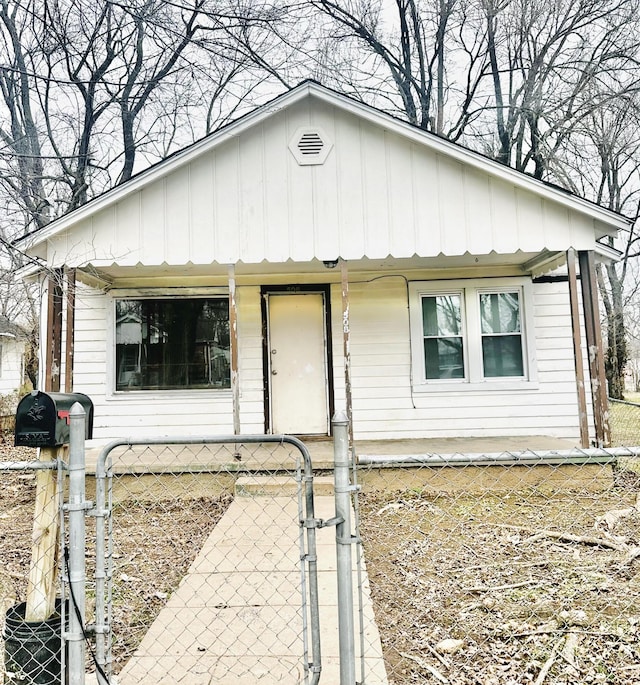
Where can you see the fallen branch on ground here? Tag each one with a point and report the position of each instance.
(611, 519)
(510, 586)
(631, 556)
(568, 537)
(427, 667)
(568, 652)
(547, 664)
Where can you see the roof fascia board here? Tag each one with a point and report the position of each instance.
(607, 254)
(29, 271)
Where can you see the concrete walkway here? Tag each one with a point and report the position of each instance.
(236, 617)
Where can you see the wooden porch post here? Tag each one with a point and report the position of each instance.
(233, 345)
(346, 345)
(54, 332)
(71, 316)
(577, 348)
(594, 347)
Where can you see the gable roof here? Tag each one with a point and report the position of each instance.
(607, 220)
(387, 189)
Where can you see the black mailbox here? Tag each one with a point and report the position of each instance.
(42, 418)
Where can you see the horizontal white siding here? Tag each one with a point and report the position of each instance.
(383, 403)
(384, 407)
(11, 365)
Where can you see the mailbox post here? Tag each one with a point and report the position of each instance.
(49, 421)
(43, 420)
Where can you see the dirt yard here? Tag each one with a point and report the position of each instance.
(507, 590)
(484, 590)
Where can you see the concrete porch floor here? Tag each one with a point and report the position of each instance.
(240, 457)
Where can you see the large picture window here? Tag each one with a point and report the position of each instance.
(172, 343)
(467, 333)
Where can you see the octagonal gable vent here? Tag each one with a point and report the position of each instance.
(310, 146)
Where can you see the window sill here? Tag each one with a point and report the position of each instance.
(478, 387)
(169, 395)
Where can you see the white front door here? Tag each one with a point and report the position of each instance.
(297, 364)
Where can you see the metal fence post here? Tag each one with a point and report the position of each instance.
(76, 561)
(344, 540)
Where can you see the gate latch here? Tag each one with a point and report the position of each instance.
(330, 522)
(320, 523)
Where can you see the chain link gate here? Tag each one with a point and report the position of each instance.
(234, 613)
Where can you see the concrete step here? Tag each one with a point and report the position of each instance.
(279, 486)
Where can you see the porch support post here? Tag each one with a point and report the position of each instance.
(594, 347)
(346, 345)
(71, 312)
(54, 332)
(233, 344)
(577, 348)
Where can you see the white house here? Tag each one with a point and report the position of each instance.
(318, 254)
(13, 340)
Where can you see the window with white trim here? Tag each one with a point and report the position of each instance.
(168, 343)
(501, 334)
(469, 334)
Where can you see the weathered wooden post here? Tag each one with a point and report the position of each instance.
(42, 583)
(33, 629)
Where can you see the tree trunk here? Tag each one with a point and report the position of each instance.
(616, 353)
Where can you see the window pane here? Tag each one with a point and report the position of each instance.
(500, 312)
(172, 343)
(441, 315)
(502, 356)
(443, 358)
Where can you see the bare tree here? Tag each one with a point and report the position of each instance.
(93, 92)
(614, 136)
(22, 157)
(548, 60)
(429, 54)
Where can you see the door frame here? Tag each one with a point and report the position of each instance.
(293, 289)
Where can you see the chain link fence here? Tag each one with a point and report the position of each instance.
(494, 571)
(625, 422)
(485, 569)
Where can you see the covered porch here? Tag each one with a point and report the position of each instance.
(579, 278)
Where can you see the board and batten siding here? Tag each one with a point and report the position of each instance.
(244, 198)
